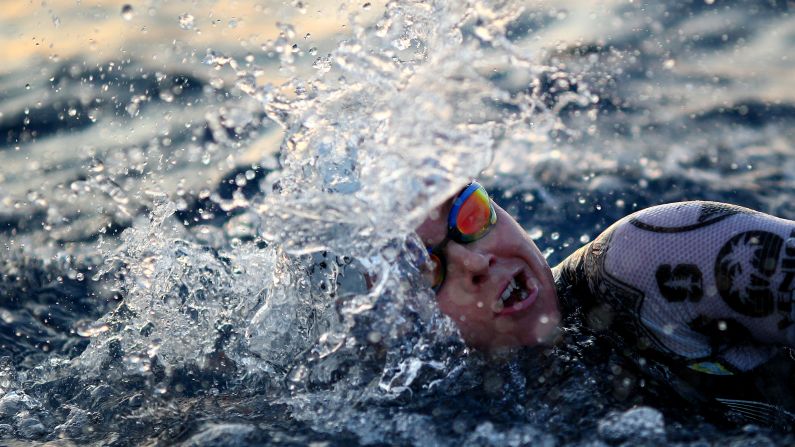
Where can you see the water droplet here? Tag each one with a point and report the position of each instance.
(584, 239)
(483, 34)
(72, 111)
(7, 317)
(366, 6)
(218, 60)
(234, 117)
(27, 86)
(300, 6)
(91, 328)
(127, 12)
(186, 22)
(154, 346)
(390, 253)
(402, 42)
(286, 29)
(374, 337)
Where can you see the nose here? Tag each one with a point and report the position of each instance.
(468, 262)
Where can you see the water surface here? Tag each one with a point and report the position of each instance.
(191, 193)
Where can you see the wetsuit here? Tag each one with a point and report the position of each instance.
(693, 292)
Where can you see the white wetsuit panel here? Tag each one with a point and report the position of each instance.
(709, 283)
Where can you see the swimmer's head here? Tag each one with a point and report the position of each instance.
(494, 284)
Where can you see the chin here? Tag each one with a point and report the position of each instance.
(540, 326)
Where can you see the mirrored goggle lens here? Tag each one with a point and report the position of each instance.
(435, 272)
(475, 216)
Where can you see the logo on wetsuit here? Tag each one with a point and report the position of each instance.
(680, 283)
(750, 278)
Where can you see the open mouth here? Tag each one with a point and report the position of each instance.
(520, 293)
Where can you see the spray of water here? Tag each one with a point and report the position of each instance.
(322, 301)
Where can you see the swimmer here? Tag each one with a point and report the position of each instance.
(700, 292)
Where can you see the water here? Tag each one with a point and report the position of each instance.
(204, 243)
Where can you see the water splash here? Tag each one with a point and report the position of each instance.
(396, 118)
(405, 105)
(311, 290)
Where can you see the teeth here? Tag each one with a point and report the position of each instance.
(508, 290)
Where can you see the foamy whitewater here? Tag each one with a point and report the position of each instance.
(212, 244)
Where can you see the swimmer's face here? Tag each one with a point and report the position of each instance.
(498, 289)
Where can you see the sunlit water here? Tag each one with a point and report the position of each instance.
(206, 236)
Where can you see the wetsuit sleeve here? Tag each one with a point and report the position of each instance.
(569, 275)
(708, 283)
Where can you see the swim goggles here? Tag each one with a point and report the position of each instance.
(470, 218)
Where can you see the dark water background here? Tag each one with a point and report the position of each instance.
(695, 102)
